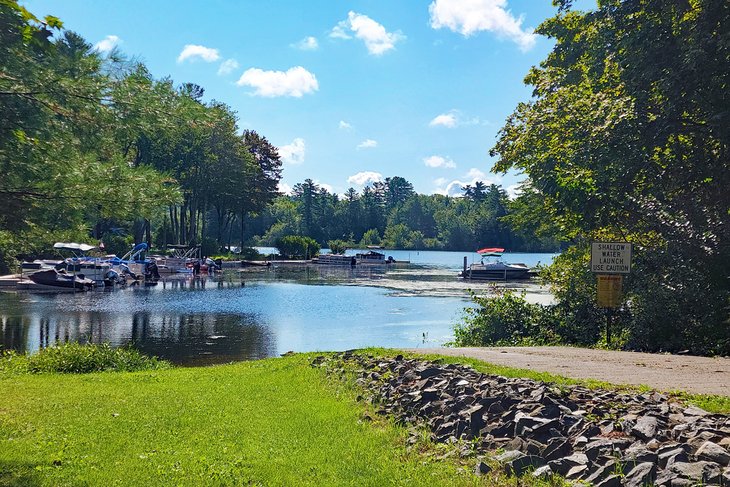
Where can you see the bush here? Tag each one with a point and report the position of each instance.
(74, 358)
(507, 319)
(297, 246)
(338, 246)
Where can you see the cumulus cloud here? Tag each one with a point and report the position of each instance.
(107, 44)
(365, 177)
(376, 38)
(194, 52)
(453, 187)
(367, 144)
(294, 82)
(438, 161)
(514, 190)
(307, 44)
(325, 186)
(227, 67)
(283, 188)
(444, 120)
(293, 153)
(344, 125)
(473, 16)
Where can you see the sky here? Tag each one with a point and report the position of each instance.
(350, 92)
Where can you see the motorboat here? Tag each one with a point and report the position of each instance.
(133, 264)
(97, 269)
(180, 262)
(372, 257)
(492, 267)
(55, 280)
(336, 259)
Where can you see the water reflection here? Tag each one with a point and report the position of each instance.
(190, 338)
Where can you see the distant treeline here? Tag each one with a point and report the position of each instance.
(392, 214)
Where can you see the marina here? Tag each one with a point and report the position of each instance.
(256, 312)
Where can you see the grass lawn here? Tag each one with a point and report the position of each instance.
(269, 422)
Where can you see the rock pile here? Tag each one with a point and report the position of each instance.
(600, 437)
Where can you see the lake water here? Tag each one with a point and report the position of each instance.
(257, 313)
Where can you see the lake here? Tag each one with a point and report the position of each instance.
(262, 312)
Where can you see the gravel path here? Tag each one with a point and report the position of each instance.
(699, 375)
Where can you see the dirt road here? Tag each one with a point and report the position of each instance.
(699, 375)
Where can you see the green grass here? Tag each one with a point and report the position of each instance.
(270, 422)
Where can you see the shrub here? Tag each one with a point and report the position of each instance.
(338, 246)
(507, 319)
(74, 358)
(296, 246)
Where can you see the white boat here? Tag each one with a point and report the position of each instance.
(372, 257)
(97, 269)
(492, 267)
(336, 259)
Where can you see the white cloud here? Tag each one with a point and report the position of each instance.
(284, 188)
(365, 177)
(107, 44)
(469, 17)
(367, 144)
(307, 44)
(193, 52)
(344, 125)
(293, 153)
(438, 161)
(227, 67)
(295, 82)
(453, 187)
(445, 120)
(376, 38)
(325, 186)
(476, 174)
(514, 190)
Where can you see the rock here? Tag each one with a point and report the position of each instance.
(482, 468)
(601, 473)
(562, 465)
(642, 474)
(556, 448)
(520, 465)
(576, 472)
(669, 456)
(645, 428)
(509, 455)
(611, 481)
(704, 472)
(543, 472)
(714, 453)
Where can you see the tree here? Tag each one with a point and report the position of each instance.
(627, 138)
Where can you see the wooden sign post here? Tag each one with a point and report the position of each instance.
(610, 260)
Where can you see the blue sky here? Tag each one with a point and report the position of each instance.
(350, 91)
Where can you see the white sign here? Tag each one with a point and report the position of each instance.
(611, 257)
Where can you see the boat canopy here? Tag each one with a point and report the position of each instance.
(73, 246)
(490, 251)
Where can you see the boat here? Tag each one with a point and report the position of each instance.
(98, 269)
(336, 259)
(180, 262)
(372, 257)
(135, 265)
(55, 280)
(492, 267)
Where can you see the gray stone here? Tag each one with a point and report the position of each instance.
(714, 453)
(520, 465)
(645, 428)
(482, 468)
(640, 475)
(543, 472)
(509, 455)
(611, 481)
(705, 472)
(562, 465)
(667, 457)
(576, 472)
(601, 473)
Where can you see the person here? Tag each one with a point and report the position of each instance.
(196, 267)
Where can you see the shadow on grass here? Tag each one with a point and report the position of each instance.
(20, 474)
